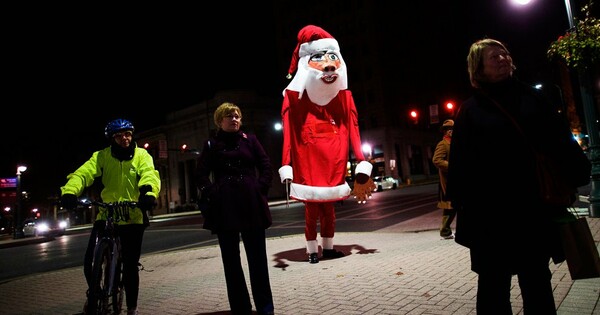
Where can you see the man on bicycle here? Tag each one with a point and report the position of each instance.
(128, 174)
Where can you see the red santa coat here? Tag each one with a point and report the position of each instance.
(316, 142)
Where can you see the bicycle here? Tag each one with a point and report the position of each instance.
(106, 288)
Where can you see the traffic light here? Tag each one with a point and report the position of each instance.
(450, 107)
(414, 116)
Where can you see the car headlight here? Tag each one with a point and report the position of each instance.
(42, 227)
(62, 224)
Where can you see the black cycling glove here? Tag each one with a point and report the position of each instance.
(146, 202)
(145, 189)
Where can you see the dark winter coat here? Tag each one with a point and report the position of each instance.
(234, 175)
(491, 176)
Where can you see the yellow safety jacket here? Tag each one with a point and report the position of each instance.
(121, 180)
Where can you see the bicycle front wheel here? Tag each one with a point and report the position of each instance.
(99, 286)
(118, 290)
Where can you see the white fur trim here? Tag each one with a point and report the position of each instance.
(312, 247)
(286, 172)
(322, 194)
(323, 44)
(364, 167)
(327, 242)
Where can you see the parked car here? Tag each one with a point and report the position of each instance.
(44, 227)
(385, 182)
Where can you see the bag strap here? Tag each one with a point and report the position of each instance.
(514, 122)
(508, 115)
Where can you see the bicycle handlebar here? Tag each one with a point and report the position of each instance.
(108, 205)
(117, 210)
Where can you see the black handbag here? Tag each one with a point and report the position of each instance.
(580, 248)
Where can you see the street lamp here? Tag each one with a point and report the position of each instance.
(366, 148)
(17, 232)
(570, 14)
(591, 120)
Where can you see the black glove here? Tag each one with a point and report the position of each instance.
(146, 202)
(144, 189)
(69, 201)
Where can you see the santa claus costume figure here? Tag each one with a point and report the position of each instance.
(320, 124)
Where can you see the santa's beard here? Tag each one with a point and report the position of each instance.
(318, 91)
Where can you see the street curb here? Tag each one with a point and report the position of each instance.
(27, 241)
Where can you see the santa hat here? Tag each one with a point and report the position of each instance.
(307, 34)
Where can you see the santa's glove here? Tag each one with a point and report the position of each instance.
(363, 187)
(68, 201)
(286, 174)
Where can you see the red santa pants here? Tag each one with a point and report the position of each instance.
(322, 211)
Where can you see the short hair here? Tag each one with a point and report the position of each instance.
(224, 110)
(475, 59)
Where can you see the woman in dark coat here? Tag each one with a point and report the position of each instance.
(236, 204)
(500, 217)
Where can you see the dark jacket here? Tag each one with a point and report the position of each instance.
(491, 176)
(234, 175)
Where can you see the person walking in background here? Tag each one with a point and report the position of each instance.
(128, 174)
(320, 127)
(440, 160)
(493, 186)
(235, 203)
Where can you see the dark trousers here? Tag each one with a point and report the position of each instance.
(131, 248)
(256, 254)
(448, 216)
(493, 290)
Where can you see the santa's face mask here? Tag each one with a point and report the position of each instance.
(324, 77)
(327, 63)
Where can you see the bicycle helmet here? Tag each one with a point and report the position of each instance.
(116, 126)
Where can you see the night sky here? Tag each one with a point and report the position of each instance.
(69, 70)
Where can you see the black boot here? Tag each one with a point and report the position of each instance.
(332, 253)
(313, 258)
(446, 229)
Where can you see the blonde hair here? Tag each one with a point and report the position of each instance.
(475, 59)
(224, 110)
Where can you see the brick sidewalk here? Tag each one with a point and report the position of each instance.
(384, 272)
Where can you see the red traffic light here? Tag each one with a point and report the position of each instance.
(414, 116)
(450, 106)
